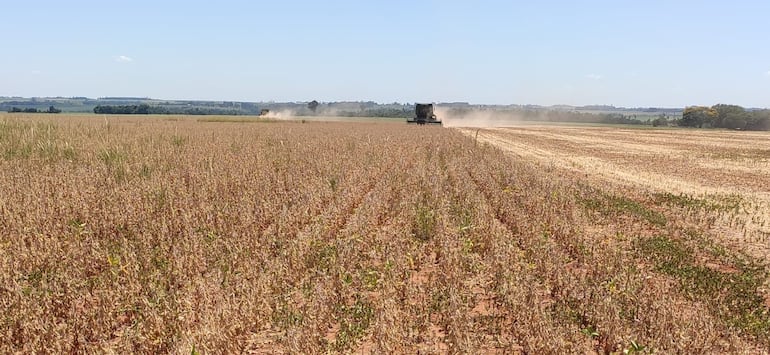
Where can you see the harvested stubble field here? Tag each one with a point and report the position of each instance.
(170, 234)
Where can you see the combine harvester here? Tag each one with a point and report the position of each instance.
(424, 115)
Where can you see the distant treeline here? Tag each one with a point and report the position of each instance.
(145, 109)
(717, 116)
(726, 116)
(51, 109)
(581, 117)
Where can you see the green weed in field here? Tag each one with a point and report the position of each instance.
(611, 205)
(716, 203)
(354, 322)
(731, 295)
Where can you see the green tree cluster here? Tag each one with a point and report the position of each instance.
(726, 116)
(124, 109)
(662, 120)
(51, 109)
(145, 109)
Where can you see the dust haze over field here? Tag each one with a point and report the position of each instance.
(281, 115)
(322, 114)
(475, 118)
(449, 117)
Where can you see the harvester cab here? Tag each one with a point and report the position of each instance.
(424, 115)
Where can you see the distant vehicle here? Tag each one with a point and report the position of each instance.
(264, 112)
(424, 114)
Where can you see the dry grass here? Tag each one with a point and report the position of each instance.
(141, 234)
(695, 169)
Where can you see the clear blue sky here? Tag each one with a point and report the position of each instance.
(623, 53)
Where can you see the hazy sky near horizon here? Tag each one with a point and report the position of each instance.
(664, 53)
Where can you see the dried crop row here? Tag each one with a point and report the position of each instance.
(171, 235)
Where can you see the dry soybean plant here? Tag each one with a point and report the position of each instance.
(169, 234)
